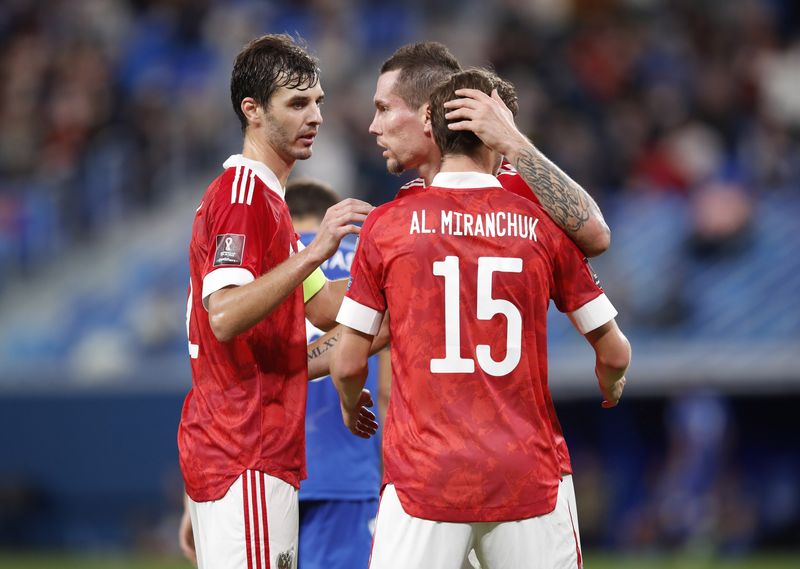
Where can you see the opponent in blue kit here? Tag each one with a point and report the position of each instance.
(339, 500)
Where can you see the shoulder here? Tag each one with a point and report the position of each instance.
(382, 211)
(507, 170)
(416, 182)
(382, 226)
(510, 179)
(413, 187)
(239, 186)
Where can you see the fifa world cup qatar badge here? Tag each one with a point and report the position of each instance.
(230, 249)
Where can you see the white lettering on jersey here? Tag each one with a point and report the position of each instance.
(418, 224)
(488, 224)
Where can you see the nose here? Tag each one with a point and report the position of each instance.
(316, 117)
(373, 127)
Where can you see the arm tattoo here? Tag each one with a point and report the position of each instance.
(324, 346)
(568, 203)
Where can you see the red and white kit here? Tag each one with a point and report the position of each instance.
(245, 411)
(467, 270)
(510, 179)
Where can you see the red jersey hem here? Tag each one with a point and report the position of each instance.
(516, 512)
(217, 491)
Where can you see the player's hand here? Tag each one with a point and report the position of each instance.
(339, 221)
(487, 116)
(186, 537)
(360, 420)
(612, 394)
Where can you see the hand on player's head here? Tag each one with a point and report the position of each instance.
(486, 115)
(339, 221)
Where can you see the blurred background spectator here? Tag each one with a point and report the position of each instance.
(682, 117)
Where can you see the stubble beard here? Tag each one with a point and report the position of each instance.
(280, 139)
(395, 166)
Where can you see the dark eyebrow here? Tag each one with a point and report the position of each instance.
(305, 99)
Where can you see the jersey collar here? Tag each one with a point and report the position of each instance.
(465, 180)
(262, 171)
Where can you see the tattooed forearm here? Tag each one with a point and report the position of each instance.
(323, 346)
(566, 201)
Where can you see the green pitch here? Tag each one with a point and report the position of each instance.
(591, 561)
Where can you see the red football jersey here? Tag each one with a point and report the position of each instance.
(246, 407)
(467, 271)
(507, 175)
(510, 179)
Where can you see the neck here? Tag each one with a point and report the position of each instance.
(428, 171)
(483, 162)
(257, 148)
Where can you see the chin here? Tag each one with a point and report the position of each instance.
(395, 167)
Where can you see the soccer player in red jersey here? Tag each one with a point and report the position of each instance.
(467, 269)
(404, 85)
(406, 81)
(241, 434)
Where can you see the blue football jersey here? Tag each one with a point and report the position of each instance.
(341, 466)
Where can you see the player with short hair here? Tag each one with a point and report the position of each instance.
(339, 499)
(467, 270)
(403, 89)
(241, 434)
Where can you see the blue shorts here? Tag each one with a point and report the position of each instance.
(336, 534)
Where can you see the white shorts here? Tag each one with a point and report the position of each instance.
(550, 541)
(235, 533)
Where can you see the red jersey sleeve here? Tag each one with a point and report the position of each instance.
(577, 291)
(239, 231)
(364, 303)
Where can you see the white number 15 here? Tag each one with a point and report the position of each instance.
(487, 307)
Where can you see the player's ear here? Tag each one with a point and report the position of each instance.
(251, 110)
(425, 115)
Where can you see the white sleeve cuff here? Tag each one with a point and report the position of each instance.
(226, 276)
(593, 314)
(359, 317)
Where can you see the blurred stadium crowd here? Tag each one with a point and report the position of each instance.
(682, 117)
(679, 116)
(108, 105)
